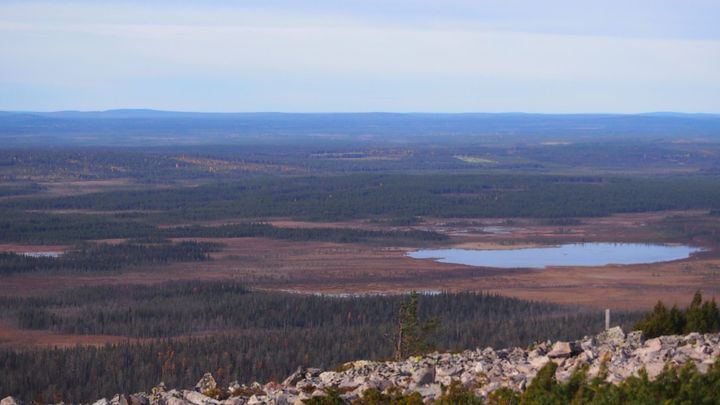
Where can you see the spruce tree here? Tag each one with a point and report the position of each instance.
(694, 319)
(711, 314)
(412, 335)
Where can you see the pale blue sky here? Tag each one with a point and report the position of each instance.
(370, 55)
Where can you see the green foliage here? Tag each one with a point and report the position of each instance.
(702, 317)
(658, 322)
(175, 309)
(694, 317)
(699, 229)
(711, 315)
(398, 195)
(684, 386)
(265, 336)
(106, 257)
(373, 396)
(504, 396)
(543, 389)
(331, 397)
(339, 235)
(412, 335)
(48, 228)
(35, 227)
(458, 394)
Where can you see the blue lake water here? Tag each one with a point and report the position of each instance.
(575, 254)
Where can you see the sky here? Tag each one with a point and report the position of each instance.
(550, 56)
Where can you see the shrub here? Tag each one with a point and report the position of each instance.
(504, 396)
(332, 397)
(702, 317)
(673, 386)
(373, 396)
(457, 394)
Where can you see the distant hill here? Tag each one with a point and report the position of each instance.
(143, 127)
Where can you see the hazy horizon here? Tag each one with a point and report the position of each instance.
(155, 110)
(394, 55)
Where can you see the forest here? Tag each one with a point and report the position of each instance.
(397, 195)
(266, 335)
(699, 316)
(42, 228)
(106, 257)
(117, 209)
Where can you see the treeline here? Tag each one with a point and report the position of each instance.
(42, 228)
(103, 257)
(7, 190)
(48, 228)
(699, 228)
(95, 164)
(167, 164)
(403, 195)
(177, 309)
(340, 235)
(699, 316)
(254, 335)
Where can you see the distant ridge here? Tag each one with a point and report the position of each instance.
(677, 114)
(148, 127)
(149, 112)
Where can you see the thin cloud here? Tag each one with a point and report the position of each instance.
(102, 46)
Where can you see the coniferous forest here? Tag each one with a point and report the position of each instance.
(179, 331)
(205, 215)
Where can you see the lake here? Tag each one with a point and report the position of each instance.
(574, 254)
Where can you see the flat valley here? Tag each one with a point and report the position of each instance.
(121, 250)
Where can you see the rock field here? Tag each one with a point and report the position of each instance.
(482, 370)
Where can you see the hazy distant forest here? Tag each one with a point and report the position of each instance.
(139, 193)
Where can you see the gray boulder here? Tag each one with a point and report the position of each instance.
(611, 337)
(295, 377)
(423, 376)
(563, 350)
(138, 399)
(197, 398)
(635, 338)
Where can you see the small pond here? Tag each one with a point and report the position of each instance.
(575, 254)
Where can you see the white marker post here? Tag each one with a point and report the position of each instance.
(607, 319)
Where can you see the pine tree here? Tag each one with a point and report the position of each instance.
(412, 335)
(659, 322)
(677, 321)
(694, 319)
(543, 387)
(711, 314)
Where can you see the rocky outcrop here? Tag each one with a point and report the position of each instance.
(482, 370)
